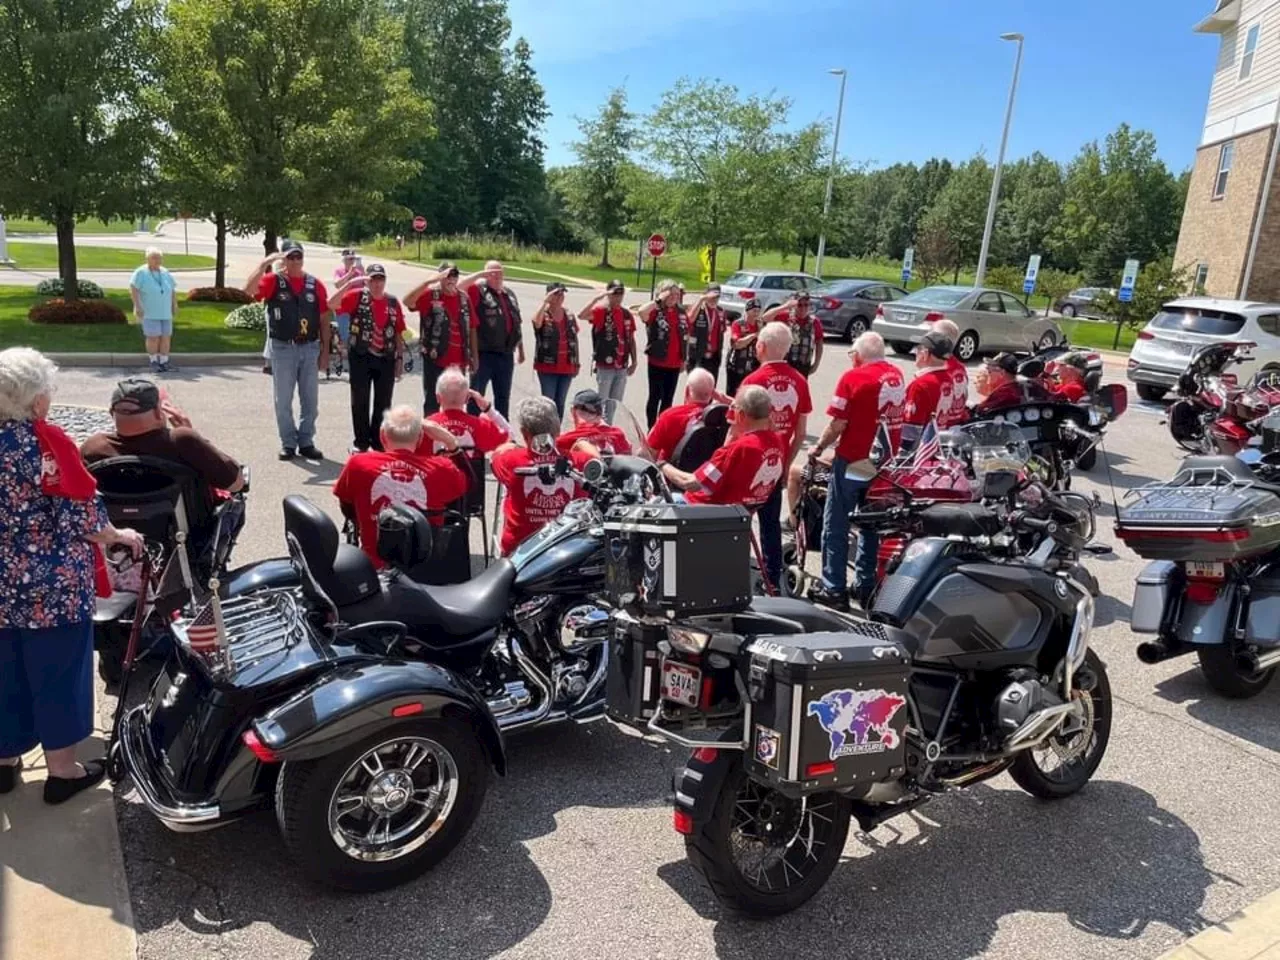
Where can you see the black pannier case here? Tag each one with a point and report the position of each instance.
(828, 710)
(635, 674)
(669, 559)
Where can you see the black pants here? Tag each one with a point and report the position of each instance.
(662, 391)
(378, 373)
(430, 374)
(770, 517)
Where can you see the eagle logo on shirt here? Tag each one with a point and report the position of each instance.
(892, 394)
(533, 484)
(783, 395)
(398, 485)
(769, 474)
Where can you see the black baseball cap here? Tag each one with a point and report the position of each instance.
(937, 344)
(555, 286)
(713, 288)
(752, 304)
(135, 395)
(347, 252)
(588, 400)
(615, 286)
(291, 248)
(1075, 358)
(449, 269)
(376, 270)
(1006, 362)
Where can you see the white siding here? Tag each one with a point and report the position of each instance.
(1237, 106)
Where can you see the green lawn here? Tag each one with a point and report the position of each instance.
(23, 225)
(199, 328)
(44, 256)
(1096, 334)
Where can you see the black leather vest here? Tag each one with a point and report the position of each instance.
(436, 326)
(701, 333)
(802, 345)
(492, 334)
(744, 359)
(605, 341)
(547, 340)
(362, 326)
(664, 322)
(291, 316)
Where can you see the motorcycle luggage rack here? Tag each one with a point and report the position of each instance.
(257, 627)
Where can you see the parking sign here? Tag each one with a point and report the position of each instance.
(908, 261)
(1033, 271)
(1128, 280)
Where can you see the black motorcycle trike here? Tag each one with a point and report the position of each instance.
(366, 708)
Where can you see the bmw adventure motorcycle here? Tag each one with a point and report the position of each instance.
(365, 708)
(974, 661)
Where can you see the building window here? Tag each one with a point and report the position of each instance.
(1250, 48)
(1225, 159)
(1202, 277)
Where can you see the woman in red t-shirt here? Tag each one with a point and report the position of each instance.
(555, 351)
(667, 328)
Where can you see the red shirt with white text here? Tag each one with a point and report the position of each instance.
(788, 391)
(863, 396)
(743, 471)
(473, 433)
(531, 504)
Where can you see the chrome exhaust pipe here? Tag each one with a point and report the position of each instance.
(1252, 663)
(1152, 652)
(541, 712)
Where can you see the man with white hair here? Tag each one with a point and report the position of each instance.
(499, 332)
(871, 391)
(747, 468)
(532, 500)
(788, 392)
(484, 432)
(676, 423)
(155, 307)
(958, 412)
(667, 329)
(396, 475)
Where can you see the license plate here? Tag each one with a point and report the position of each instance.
(1180, 346)
(1206, 571)
(903, 316)
(681, 683)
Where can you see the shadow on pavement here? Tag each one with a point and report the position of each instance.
(1108, 610)
(1256, 720)
(1109, 859)
(486, 897)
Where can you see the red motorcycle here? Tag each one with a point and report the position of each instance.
(1213, 413)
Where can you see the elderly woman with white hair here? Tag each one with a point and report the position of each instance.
(50, 519)
(155, 305)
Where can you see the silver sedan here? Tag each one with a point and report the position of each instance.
(989, 321)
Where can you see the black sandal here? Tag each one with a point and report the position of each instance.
(60, 789)
(9, 776)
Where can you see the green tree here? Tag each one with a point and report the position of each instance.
(1033, 193)
(1054, 283)
(960, 213)
(1157, 282)
(76, 134)
(279, 109)
(598, 191)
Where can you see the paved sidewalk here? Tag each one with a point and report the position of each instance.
(63, 894)
(1251, 934)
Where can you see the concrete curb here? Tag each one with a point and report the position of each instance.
(140, 359)
(1251, 934)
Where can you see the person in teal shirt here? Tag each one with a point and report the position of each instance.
(155, 304)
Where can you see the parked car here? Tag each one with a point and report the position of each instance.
(1164, 346)
(1082, 302)
(768, 287)
(989, 321)
(848, 307)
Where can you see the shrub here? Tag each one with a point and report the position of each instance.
(252, 316)
(53, 287)
(77, 311)
(219, 295)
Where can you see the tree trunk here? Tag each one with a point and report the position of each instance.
(269, 239)
(955, 274)
(742, 257)
(804, 256)
(220, 250)
(66, 228)
(714, 250)
(604, 259)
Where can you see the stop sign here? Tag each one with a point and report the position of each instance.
(419, 223)
(657, 245)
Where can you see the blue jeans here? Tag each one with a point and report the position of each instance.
(498, 369)
(46, 687)
(770, 517)
(843, 497)
(613, 386)
(555, 387)
(294, 367)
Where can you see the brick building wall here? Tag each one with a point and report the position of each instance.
(1217, 231)
(1264, 283)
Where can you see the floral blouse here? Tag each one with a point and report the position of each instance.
(46, 564)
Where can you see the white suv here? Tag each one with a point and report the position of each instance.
(1165, 344)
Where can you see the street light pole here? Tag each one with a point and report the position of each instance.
(995, 181)
(4, 244)
(831, 174)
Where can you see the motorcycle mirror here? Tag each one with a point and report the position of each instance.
(593, 470)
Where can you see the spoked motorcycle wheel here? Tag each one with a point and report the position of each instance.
(764, 854)
(1066, 761)
(1218, 664)
(385, 810)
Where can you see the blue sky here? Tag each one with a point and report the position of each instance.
(926, 77)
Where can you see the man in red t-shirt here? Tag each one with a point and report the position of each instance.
(667, 330)
(613, 343)
(871, 392)
(1069, 371)
(959, 409)
(373, 481)
(447, 329)
(531, 501)
(746, 470)
(999, 386)
(375, 348)
(475, 435)
(806, 332)
(929, 392)
(298, 331)
(590, 427)
(677, 423)
(788, 393)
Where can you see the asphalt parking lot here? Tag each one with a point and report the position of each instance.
(573, 855)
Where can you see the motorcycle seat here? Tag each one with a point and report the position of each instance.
(816, 619)
(460, 610)
(960, 520)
